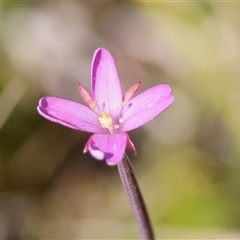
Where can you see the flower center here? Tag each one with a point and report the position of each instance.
(106, 121)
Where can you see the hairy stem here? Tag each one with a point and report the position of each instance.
(136, 200)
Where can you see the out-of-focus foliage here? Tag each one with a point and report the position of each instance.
(188, 162)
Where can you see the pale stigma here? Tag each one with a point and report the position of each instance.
(106, 120)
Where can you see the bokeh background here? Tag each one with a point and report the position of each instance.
(188, 162)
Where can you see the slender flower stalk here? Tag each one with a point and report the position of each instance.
(130, 184)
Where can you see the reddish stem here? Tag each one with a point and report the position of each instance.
(136, 200)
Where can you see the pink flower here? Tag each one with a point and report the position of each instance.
(108, 114)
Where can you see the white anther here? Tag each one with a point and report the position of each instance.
(121, 120)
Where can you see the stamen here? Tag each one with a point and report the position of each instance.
(116, 126)
(121, 120)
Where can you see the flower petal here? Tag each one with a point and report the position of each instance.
(146, 106)
(112, 146)
(70, 114)
(106, 88)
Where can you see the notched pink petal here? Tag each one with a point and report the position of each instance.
(94, 151)
(130, 92)
(111, 146)
(106, 88)
(97, 153)
(70, 114)
(146, 106)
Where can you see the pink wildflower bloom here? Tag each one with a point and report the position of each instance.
(108, 114)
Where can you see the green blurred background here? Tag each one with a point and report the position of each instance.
(188, 162)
